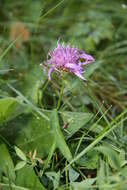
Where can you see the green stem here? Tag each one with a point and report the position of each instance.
(44, 87)
(61, 95)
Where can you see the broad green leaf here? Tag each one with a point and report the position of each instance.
(75, 121)
(33, 133)
(29, 132)
(60, 141)
(112, 156)
(6, 163)
(19, 153)
(27, 178)
(9, 109)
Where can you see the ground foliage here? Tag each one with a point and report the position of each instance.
(83, 144)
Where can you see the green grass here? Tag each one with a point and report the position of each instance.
(65, 135)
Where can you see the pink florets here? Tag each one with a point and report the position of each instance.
(67, 59)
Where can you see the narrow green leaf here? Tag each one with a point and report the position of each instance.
(73, 175)
(20, 165)
(60, 142)
(32, 106)
(20, 154)
(101, 177)
(51, 151)
(103, 134)
(9, 47)
(122, 157)
(4, 71)
(14, 187)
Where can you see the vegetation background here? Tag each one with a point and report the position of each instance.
(84, 144)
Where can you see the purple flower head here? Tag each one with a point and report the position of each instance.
(67, 59)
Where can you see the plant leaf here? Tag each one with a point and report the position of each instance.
(20, 165)
(20, 154)
(33, 134)
(113, 157)
(75, 120)
(55, 177)
(60, 142)
(86, 184)
(27, 178)
(6, 163)
(73, 175)
(9, 109)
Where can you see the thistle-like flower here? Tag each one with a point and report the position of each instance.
(65, 58)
